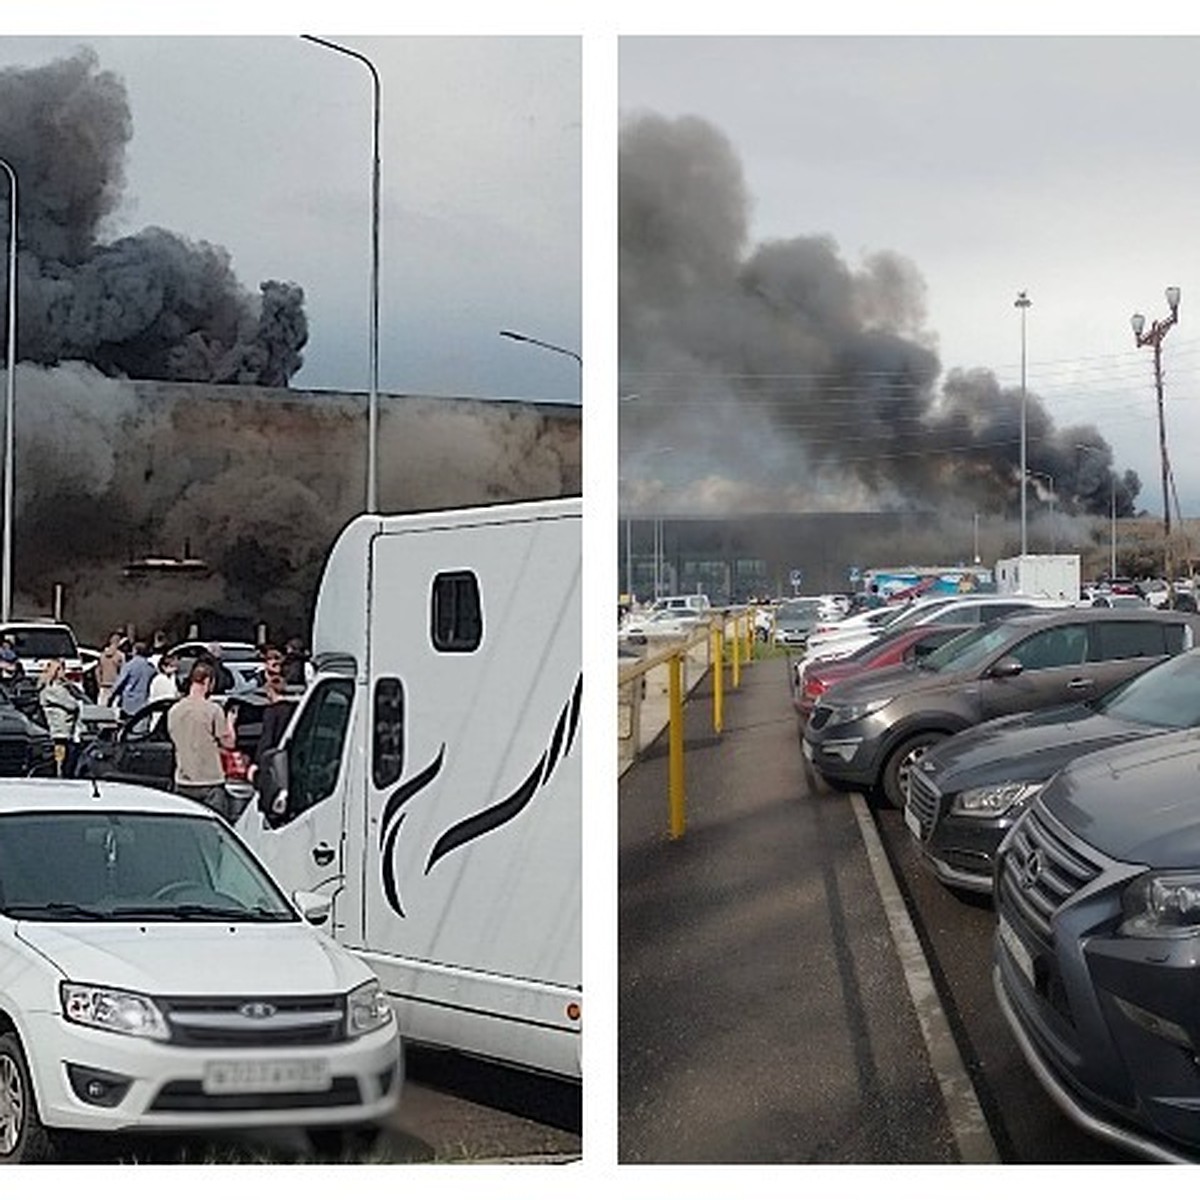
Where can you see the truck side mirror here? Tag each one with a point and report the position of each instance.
(272, 784)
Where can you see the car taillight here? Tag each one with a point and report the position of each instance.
(813, 687)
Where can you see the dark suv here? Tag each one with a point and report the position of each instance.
(866, 733)
(967, 792)
(1097, 950)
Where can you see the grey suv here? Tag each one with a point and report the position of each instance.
(866, 733)
(1097, 950)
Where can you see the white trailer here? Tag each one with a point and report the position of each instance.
(1053, 575)
(430, 781)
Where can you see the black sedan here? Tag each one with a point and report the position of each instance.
(967, 791)
(140, 749)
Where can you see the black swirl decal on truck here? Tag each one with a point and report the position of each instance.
(463, 832)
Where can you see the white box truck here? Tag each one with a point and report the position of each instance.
(1053, 575)
(429, 781)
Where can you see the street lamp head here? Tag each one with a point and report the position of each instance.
(1022, 301)
(1173, 298)
(1139, 323)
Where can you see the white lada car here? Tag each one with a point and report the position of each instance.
(154, 977)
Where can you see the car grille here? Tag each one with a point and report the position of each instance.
(256, 1021)
(188, 1095)
(1041, 872)
(923, 802)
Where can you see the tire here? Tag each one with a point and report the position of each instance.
(23, 1138)
(893, 781)
(348, 1143)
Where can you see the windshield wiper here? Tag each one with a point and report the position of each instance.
(56, 910)
(196, 912)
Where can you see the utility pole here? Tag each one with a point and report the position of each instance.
(1154, 338)
(1023, 302)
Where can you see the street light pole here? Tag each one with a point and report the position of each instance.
(10, 396)
(373, 395)
(1158, 331)
(524, 337)
(1023, 302)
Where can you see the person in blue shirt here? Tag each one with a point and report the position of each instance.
(131, 691)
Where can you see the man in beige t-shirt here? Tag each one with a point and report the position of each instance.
(199, 730)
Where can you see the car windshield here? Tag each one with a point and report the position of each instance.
(116, 866)
(970, 649)
(1166, 696)
(798, 610)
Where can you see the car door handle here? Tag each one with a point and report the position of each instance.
(1078, 684)
(323, 854)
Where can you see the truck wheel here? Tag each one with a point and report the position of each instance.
(349, 1143)
(893, 784)
(23, 1138)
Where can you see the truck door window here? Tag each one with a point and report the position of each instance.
(387, 723)
(315, 749)
(456, 612)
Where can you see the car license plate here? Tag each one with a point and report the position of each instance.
(807, 750)
(910, 819)
(1016, 948)
(278, 1075)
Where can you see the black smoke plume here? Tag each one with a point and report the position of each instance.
(150, 306)
(777, 377)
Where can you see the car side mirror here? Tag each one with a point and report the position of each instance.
(314, 907)
(1006, 668)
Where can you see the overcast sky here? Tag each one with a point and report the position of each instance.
(1065, 167)
(262, 145)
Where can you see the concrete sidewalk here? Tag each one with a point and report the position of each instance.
(764, 1014)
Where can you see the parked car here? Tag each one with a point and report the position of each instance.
(140, 750)
(966, 792)
(795, 620)
(1097, 948)
(889, 650)
(1119, 600)
(241, 659)
(866, 733)
(37, 642)
(666, 622)
(934, 610)
(154, 977)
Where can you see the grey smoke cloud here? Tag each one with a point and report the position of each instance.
(153, 305)
(781, 376)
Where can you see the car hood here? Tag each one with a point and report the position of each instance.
(181, 958)
(1138, 803)
(1027, 746)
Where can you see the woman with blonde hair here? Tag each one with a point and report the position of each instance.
(61, 707)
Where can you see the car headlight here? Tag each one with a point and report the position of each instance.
(843, 714)
(995, 798)
(367, 1009)
(1161, 905)
(118, 1012)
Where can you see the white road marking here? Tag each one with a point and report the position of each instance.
(967, 1121)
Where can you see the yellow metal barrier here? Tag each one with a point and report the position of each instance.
(706, 644)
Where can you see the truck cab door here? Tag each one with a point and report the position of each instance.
(297, 827)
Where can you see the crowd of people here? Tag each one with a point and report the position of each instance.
(131, 673)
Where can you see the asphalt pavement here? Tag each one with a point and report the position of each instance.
(772, 1002)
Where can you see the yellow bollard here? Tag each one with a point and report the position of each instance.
(675, 797)
(737, 654)
(718, 662)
